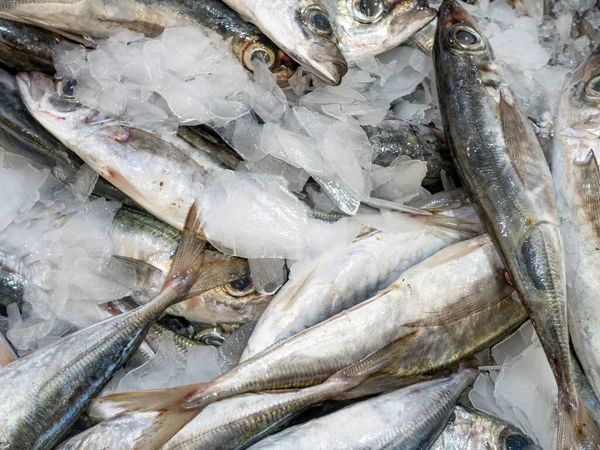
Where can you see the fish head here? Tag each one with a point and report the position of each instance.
(52, 103)
(304, 31)
(458, 39)
(580, 103)
(233, 303)
(371, 27)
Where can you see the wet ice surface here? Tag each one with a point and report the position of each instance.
(58, 241)
(521, 389)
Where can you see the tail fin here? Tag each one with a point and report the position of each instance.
(168, 402)
(576, 430)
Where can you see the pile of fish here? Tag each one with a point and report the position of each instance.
(299, 224)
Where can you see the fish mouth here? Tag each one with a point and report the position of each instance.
(328, 70)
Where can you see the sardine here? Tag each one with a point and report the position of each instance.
(371, 27)
(577, 186)
(343, 278)
(235, 422)
(407, 419)
(393, 138)
(45, 392)
(157, 175)
(98, 19)
(149, 245)
(469, 274)
(26, 48)
(503, 166)
(468, 429)
(302, 29)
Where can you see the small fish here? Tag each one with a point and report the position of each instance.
(577, 186)
(394, 138)
(343, 278)
(503, 166)
(159, 176)
(98, 19)
(46, 391)
(371, 27)
(235, 422)
(302, 29)
(149, 245)
(468, 429)
(469, 274)
(408, 419)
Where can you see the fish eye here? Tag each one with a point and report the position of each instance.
(259, 50)
(466, 38)
(516, 442)
(240, 287)
(65, 88)
(318, 21)
(368, 11)
(592, 89)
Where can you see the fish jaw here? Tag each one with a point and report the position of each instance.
(359, 38)
(291, 25)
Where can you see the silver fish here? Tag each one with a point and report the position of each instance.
(468, 429)
(503, 166)
(343, 278)
(301, 28)
(469, 273)
(406, 419)
(371, 27)
(44, 392)
(577, 185)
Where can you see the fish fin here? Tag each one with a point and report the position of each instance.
(189, 257)
(377, 385)
(470, 305)
(587, 179)
(376, 361)
(378, 203)
(576, 429)
(164, 427)
(217, 273)
(452, 223)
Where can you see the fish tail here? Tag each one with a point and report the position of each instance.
(171, 404)
(576, 430)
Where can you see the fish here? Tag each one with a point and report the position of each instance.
(22, 135)
(159, 176)
(27, 48)
(501, 163)
(577, 186)
(302, 29)
(343, 278)
(149, 245)
(215, 145)
(469, 273)
(46, 391)
(394, 138)
(98, 19)
(469, 429)
(370, 27)
(408, 419)
(235, 422)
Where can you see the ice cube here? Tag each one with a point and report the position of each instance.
(267, 99)
(401, 182)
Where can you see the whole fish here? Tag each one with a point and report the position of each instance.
(160, 177)
(577, 186)
(503, 166)
(468, 429)
(343, 278)
(44, 392)
(98, 19)
(235, 422)
(394, 138)
(371, 27)
(469, 273)
(24, 47)
(21, 134)
(302, 29)
(149, 244)
(408, 419)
